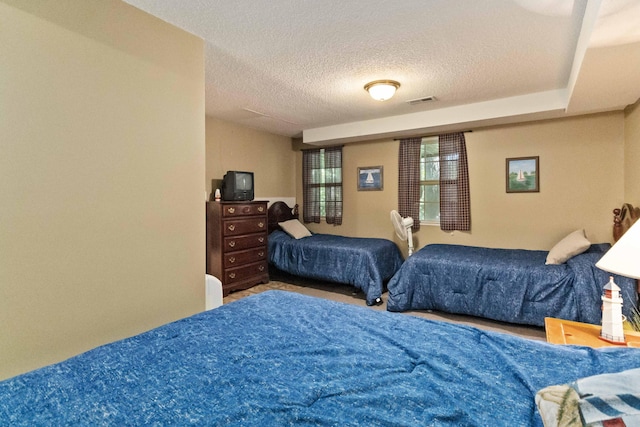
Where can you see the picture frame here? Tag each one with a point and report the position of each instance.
(370, 178)
(523, 174)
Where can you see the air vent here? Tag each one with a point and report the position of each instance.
(421, 100)
(258, 113)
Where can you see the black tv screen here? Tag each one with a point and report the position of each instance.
(237, 186)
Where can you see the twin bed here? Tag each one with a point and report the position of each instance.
(510, 285)
(279, 358)
(365, 263)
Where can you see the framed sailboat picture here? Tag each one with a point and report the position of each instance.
(370, 178)
(523, 175)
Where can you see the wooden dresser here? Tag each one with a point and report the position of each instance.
(237, 244)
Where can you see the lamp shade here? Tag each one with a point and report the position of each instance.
(381, 90)
(624, 256)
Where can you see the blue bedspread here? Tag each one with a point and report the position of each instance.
(365, 263)
(511, 285)
(280, 359)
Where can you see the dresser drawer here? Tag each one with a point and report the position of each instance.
(238, 274)
(241, 209)
(234, 259)
(244, 242)
(236, 227)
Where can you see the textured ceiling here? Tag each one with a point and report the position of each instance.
(297, 68)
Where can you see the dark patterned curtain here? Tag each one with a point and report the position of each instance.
(333, 185)
(455, 211)
(409, 180)
(311, 163)
(322, 185)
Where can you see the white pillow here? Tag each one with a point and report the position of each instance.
(295, 229)
(572, 245)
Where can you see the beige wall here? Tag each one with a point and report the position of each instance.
(632, 154)
(365, 213)
(102, 142)
(581, 181)
(233, 147)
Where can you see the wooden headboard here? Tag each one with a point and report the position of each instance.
(280, 212)
(623, 219)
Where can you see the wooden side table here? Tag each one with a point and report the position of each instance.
(560, 331)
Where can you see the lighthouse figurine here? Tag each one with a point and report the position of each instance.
(612, 330)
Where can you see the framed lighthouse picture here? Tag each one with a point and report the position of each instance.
(523, 175)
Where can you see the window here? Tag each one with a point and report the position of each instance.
(429, 181)
(322, 185)
(321, 175)
(433, 182)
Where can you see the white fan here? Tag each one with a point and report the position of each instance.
(403, 228)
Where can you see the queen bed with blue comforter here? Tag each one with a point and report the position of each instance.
(365, 263)
(279, 358)
(511, 285)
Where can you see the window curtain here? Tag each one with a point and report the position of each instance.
(311, 186)
(333, 185)
(409, 180)
(322, 185)
(455, 211)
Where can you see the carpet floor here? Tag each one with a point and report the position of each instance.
(346, 294)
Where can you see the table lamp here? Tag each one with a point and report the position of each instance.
(624, 259)
(624, 256)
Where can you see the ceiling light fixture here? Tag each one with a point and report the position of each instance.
(381, 90)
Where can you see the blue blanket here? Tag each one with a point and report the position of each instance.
(365, 263)
(511, 285)
(279, 359)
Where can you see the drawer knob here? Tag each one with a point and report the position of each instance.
(261, 254)
(232, 275)
(232, 243)
(261, 268)
(260, 208)
(261, 225)
(232, 259)
(261, 239)
(231, 227)
(231, 210)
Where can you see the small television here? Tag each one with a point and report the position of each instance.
(237, 186)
